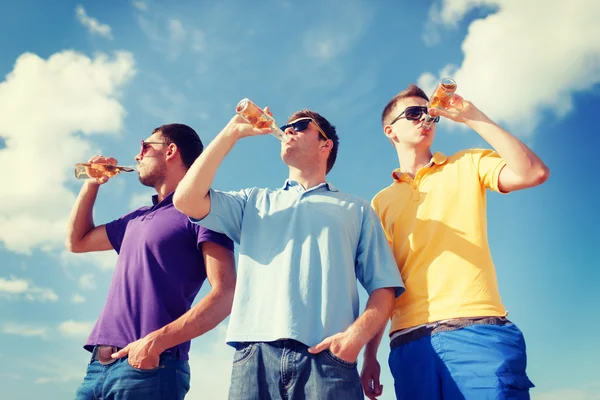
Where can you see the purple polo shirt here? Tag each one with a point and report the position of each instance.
(159, 271)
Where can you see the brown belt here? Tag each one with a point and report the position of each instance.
(103, 354)
(445, 326)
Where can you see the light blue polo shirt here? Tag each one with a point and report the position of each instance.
(300, 255)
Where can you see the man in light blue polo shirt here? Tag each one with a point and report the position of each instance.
(295, 320)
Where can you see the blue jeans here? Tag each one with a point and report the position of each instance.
(120, 381)
(284, 369)
(474, 362)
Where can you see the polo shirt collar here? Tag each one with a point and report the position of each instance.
(167, 200)
(438, 158)
(291, 183)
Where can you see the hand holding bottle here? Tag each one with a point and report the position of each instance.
(99, 169)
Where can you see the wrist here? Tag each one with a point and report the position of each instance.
(230, 134)
(91, 185)
(158, 341)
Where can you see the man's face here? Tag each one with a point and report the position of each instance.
(304, 146)
(407, 131)
(152, 167)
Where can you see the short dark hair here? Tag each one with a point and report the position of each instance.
(185, 138)
(326, 126)
(411, 91)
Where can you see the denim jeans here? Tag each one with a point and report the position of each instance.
(120, 381)
(284, 369)
(474, 362)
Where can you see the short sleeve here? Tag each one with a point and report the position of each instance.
(226, 213)
(206, 235)
(115, 230)
(375, 264)
(488, 165)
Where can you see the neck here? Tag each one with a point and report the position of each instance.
(413, 158)
(308, 178)
(169, 184)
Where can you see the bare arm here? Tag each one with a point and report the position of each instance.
(192, 194)
(82, 235)
(347, 344)
(371, 370)
(524, 169)
(204, 316)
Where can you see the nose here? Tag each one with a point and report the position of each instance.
(290, 131)
(138, 157)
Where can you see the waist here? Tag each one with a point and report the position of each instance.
(403, 336)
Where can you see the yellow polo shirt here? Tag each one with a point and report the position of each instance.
(436, 224)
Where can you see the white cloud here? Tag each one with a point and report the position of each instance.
(15, 288)
(140, 199)
(86, 282)
(174, 39)
(92, 24)
(75, 329)
(326, 41)
(13, 285)
(210, 363)
(140, 5)
(11, 328)
(77, 298)
(105, 260)
(46, 105)
(525, 58)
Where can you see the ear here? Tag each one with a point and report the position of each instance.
(388, 132)
(326, 145)
(171, 152)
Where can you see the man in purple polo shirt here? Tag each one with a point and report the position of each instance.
(141, 340)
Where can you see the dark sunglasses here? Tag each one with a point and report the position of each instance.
(146, 145)
(414, 113)
(301, 125)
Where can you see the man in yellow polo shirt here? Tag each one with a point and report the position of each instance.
(449, 337)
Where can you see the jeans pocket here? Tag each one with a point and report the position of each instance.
(515, 384)
(243, 353)
(145, 371)
(343, 363)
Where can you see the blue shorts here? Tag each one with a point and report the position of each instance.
(474, 362)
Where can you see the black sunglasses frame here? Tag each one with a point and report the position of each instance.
(298, 128)
(422, 110)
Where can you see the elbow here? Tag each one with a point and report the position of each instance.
(540, 175)
(73, 246)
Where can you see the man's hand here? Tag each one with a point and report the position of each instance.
(141, 354)
(341, 345)
(97, 174)
(240, 128)
(460, 110)
(369, 377)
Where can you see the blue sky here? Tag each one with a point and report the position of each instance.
(91, 77)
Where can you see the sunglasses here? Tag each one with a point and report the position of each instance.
(301, 125)
(146, 145)
(414, 113)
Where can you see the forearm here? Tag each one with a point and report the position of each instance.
(81, 219)
(518, 157)
(373, 345)
(191, 196)
(204, 316)
(368, 329)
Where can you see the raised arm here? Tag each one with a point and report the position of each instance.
(192, 194)
(524, 169)
(82, 235)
